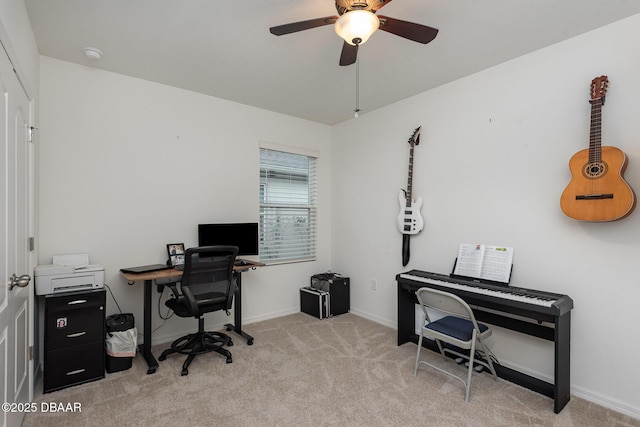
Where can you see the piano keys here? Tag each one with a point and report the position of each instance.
(531, 303)
(538, 313)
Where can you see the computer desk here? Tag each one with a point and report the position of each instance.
(172, 273)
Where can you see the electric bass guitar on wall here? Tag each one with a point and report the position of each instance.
(597, 191)
(409, 220)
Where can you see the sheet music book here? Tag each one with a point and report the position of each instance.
(484, 262)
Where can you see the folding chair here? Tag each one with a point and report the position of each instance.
(458, 328)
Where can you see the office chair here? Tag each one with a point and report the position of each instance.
(458, 328)
(207, 285)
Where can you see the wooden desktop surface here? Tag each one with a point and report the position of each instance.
(172, 272)
(152, 275)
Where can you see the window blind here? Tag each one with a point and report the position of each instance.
(288, 206)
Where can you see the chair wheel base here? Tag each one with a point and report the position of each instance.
(199, 343)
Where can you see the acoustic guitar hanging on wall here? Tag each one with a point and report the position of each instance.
(597, 191)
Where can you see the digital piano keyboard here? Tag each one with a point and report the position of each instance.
(538, 305)
(538, 313)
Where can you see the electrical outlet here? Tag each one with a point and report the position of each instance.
(374, 284)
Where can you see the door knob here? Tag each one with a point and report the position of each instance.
(20, 282)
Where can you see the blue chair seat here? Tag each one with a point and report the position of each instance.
(456, 327)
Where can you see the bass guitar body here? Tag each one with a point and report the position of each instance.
(409, 220)
(597, 191)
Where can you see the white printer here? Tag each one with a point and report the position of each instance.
(68, 273)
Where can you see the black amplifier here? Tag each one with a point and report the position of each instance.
(338, 288)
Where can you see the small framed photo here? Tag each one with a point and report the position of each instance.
(176, 253)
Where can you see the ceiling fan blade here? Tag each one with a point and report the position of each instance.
(349, 54)
(294, 27)
(409, 30)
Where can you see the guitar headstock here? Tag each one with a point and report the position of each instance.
(415, 138)
(599, 88)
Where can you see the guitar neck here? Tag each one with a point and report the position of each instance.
(595, 135)
(410, 179)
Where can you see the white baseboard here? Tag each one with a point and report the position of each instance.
(598, 399)
(268, 316)
(374, 318)
(579, 391)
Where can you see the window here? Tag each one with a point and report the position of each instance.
(287, 205)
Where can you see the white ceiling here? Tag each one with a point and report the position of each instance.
(224, 48)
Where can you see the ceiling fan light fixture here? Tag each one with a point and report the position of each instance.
(356, 26)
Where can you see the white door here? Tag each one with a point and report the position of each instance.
(15, 205)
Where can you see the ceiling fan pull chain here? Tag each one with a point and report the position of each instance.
(357, 83)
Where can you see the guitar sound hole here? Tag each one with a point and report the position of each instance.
(594, 170)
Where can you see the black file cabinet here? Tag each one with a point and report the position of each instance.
(74, 337)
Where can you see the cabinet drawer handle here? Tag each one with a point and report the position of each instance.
(78, 301)
(77, 371)
(76, 335)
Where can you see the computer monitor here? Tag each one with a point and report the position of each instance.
(242, 235)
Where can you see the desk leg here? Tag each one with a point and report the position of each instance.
(152, 363)
(237, 312)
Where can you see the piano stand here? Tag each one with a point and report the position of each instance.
(559, 390)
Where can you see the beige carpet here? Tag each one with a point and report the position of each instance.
(342, 371)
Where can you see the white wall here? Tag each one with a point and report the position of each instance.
(491, 166)
(128, 166)
(24, 51)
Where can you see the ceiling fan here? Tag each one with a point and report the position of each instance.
(356, 22)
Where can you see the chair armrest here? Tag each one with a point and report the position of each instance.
(233, 290)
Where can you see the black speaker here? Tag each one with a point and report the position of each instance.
(338, 288)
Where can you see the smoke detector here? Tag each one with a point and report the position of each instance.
(92, 53)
